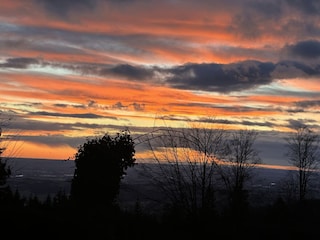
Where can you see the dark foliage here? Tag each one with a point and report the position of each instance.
(100, 164)
(48, 221)
(58, 218)
(5, 170)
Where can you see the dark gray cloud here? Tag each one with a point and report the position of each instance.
(222, 121)
(260, 124)
(67, 115)
(226, 108)
(309, 49)
(221, 78)
(232, 122)
(296, 123)
(308, 104)
(21, 63)
(294, 69)
(61, 8)
(91, 103)
(296, 110)
(61, 105)
(128, 71)
(212, 76)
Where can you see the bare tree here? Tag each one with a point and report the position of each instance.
(5, 170)
(237, 164)
(184, 166)
(303, 153)
(10, 142)
(5, 173)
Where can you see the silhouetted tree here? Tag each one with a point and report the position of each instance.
(100, 164)
(9, 200)
(303, 153)
(236, 167)
(5, 172)
(5, 141)
(184, 162)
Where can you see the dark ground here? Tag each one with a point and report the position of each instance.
(46, 177)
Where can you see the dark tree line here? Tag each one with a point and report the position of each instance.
(191, 161)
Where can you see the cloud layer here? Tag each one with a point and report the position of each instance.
(75, 69)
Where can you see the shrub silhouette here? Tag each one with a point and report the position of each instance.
(100, 164)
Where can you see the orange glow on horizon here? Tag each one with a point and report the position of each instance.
(42, 151)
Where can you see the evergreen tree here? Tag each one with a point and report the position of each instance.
(100, 164)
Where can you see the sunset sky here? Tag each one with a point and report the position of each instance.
(80, 68)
